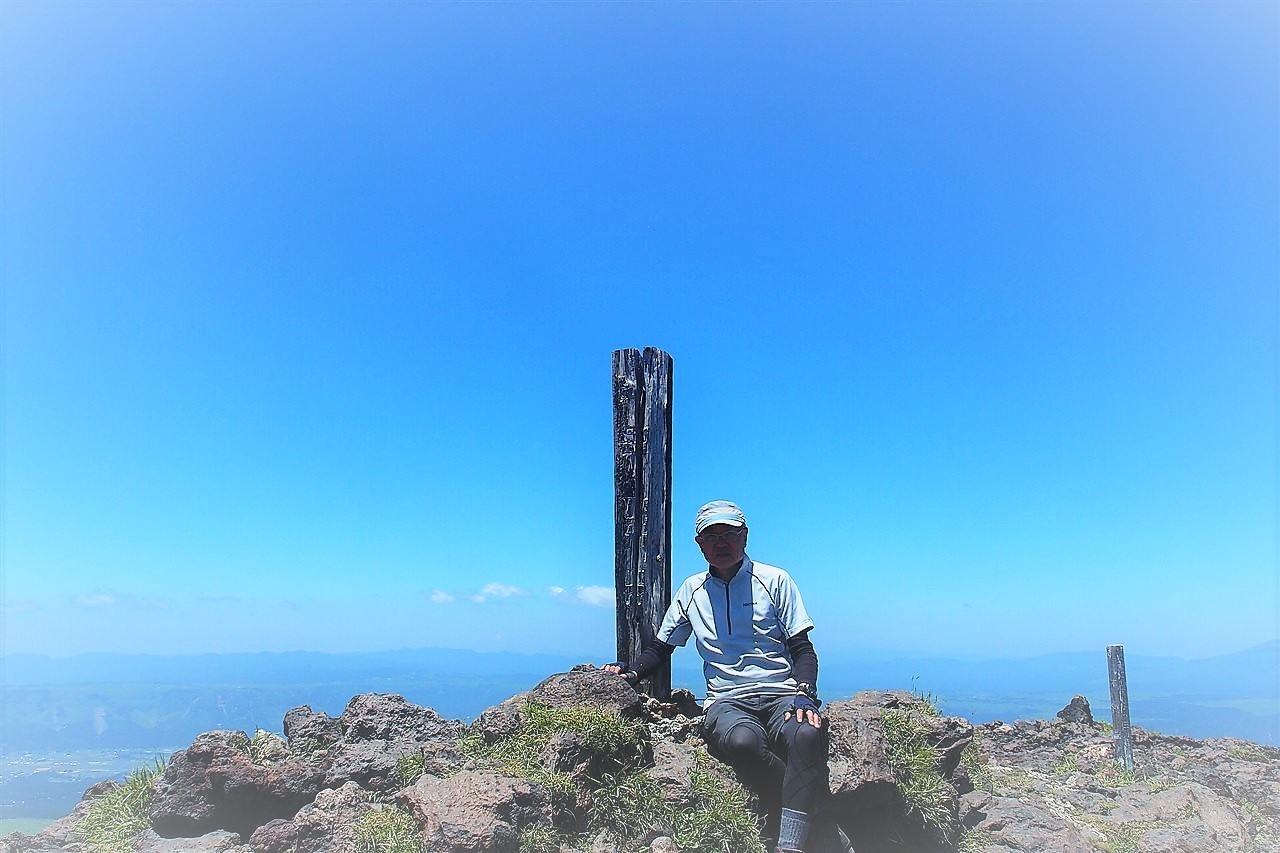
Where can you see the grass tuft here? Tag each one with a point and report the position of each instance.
(1114, 775)
(974, 841)
(926, 701)
(915, 761)
(624, 802)
(1119, 837)
(410, 768)
(975, 763)
(1068, 765)
(387, 830)
(265, 748)
(118, 816)
(538, 838)
(602, 731)
(1247, 752)
(720, 819)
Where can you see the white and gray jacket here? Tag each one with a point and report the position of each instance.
(741, 629)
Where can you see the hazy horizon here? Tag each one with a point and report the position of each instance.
(689, 655)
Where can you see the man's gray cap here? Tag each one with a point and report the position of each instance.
(718, 512)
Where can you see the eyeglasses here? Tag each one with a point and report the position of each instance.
(720, 537)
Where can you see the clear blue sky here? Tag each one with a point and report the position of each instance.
(308, 311)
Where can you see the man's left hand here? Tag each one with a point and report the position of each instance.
(805, 710)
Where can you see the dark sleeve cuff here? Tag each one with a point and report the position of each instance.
(652, 656)
(804, 660)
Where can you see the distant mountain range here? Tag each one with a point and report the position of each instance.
(97, 701)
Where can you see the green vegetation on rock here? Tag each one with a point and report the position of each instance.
(409, 768)
(266, 748)
(1246, 751)
(120, 814)
(387, 830)
(539, 838)
(720, 818)
(1068, 765)
(623, 802)
(1113, 774)
(926, 701)
(973, 840)
(975, 763)
(626, 804)
(915, 761)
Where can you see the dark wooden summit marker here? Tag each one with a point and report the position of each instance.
(1120, 705)
(642, 502)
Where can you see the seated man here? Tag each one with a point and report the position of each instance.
(752, 631)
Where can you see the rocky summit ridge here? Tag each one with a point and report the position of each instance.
(583, 764)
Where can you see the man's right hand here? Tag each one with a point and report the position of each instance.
(805, 711)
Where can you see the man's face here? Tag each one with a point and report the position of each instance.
(722, 544)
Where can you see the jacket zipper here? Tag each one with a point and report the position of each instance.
(728, 609)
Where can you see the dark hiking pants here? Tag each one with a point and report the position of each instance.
(784, 761)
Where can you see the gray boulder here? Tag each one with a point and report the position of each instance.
(378, 732)
(1009, 824)
(275, 836)
(310, 732)
(215, 784)
(474, 811)
(328, 825)
(1077, 711)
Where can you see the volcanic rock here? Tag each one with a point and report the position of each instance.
(1077, 711)
(216, 784)
(996, 788)
(474, 810)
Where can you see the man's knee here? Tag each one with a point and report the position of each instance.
(809, 742)
(743, 743)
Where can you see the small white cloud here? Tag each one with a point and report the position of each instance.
(439, 596)
(479, 599)
(596, 596)
(501, 590)
(98, 599)
(556, 591)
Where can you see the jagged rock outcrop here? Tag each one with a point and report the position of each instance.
(220, 783)
(377, 732)
(228, 781)
(1077, 711)
(1057, 786)
(903, 777)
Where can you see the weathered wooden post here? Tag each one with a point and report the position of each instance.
(1120, 705)
(642, 502)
